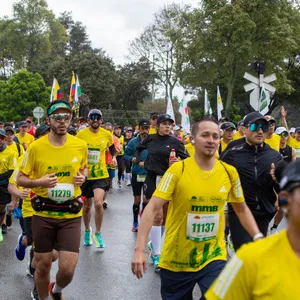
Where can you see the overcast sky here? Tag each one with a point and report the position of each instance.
(111, 24)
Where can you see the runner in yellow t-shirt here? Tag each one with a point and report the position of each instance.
(54, 167)
(23, 136)
(10, 134)
(153, 122)
(196, 190)
(8, 160)
(240, 133)
(295, 143)
(269, 268)
(272, 139)
(228, 133)
(98, 140)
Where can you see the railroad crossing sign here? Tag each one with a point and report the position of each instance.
(256, 85)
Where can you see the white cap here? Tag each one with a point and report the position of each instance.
(176, 127)
(292, 129)
(280, 130)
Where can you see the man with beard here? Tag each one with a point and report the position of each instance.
(54, 168)
(98, 140)
(253, 160)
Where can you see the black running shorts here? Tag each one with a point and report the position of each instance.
(90, 185)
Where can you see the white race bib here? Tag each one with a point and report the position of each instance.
(94, 156)
(297, 153)
(62, 192)
(140, 178)
(202, 227)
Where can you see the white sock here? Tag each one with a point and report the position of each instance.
(162, 230)
(155, 235)
(56, 289)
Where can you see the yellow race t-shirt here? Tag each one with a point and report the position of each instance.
(268, 269)
(195, 219)
(274, 142)
(43, 158)
(8, 160)
(190, 149)
(97, 145)
(152, 130)
(121, 142)
(27, 210)
(237, 136)
(296, 145)
(15, 148)
(223, 146)
(26, 140)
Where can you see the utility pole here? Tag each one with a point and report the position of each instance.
(260, 68)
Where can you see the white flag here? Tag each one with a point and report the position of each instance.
(184, 111)
(170, 110)
(264, 101)
(77, 91)
(207, 107)
(52, 90)
(219, 104)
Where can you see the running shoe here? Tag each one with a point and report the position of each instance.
(87, 239)
(20, 249)
(151, 255)
(4, 229)
(119, 184)
(54, 296)
(34, 294)
(98, 240)
(1, 236)
(104, 204)
(128, 182)
(135, 227)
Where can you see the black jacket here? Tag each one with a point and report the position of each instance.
(159, 148)
(253, 165)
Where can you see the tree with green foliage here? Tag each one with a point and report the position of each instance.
(96, 72)
(31, 38)
(21, 94)
(223, 37)
(157, 45)
(132, 84)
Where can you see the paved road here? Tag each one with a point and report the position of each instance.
(99, 274)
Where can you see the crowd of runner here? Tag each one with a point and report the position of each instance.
(200, 199)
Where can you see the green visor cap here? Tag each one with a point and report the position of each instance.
(56, 106)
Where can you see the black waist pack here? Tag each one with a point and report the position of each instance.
(44, 204)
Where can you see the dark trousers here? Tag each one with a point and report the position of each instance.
(239, 235)
(180, 285)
